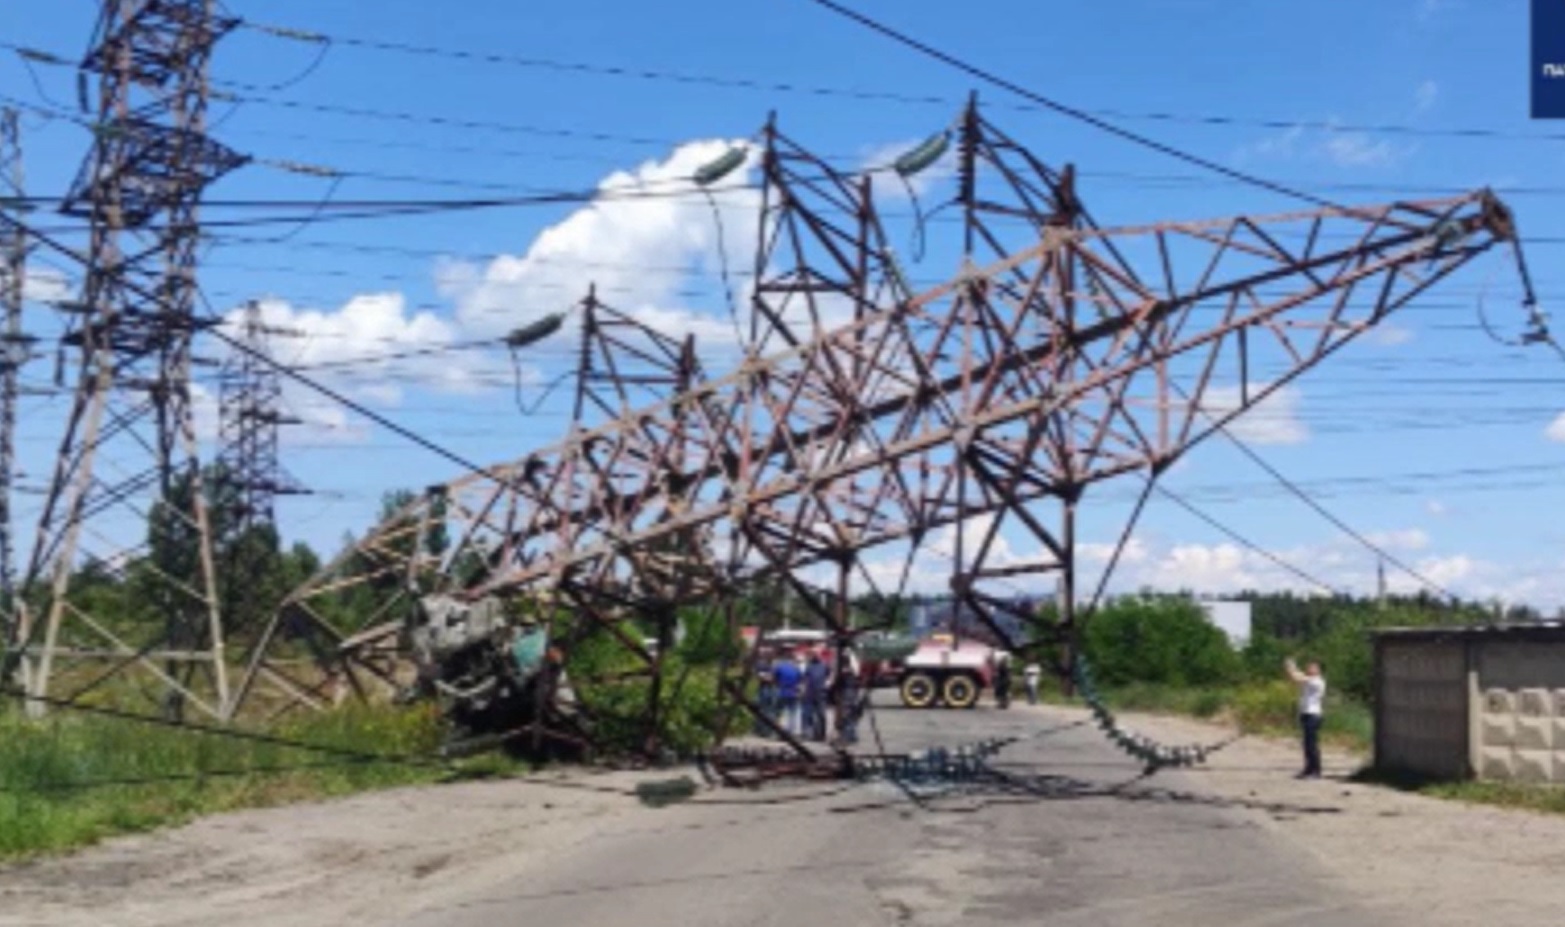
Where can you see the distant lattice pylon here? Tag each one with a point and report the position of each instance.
(250, 421)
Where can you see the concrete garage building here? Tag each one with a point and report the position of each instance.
(1485, 702)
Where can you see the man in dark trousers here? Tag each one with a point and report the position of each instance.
(849, 695)
(1002, 680)
(767, 695)
(817, 676)
(1312, 697)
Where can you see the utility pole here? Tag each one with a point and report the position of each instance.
(1380, 576)
(13, 349)
(130, 443)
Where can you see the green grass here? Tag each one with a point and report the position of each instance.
(1550, 799)
(70, 781)
(1518, 795)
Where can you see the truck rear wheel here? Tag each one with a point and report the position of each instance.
(919, 690)
(960, 691)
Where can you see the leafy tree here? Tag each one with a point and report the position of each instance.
(1161, 639)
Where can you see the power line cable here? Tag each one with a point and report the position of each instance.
(1073, 112)
(1314, 504)
(876, 96)
(1244, 541)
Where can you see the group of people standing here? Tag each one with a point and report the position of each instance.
(799, 688)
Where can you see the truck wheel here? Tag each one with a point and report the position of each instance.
(961, 691)
(919, 690)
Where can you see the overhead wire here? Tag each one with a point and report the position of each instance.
(537, 62)
(1079, 115)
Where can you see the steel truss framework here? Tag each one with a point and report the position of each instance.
(250, 420)
(866, 415)
(129, 446)
(14, 346)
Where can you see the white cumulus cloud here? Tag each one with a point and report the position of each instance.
(1556, 429)
(1389, 335)
(46, 285)
(637, 244)
(1274, 420)
(370, 345)
(1405, 539)
(1328, 142)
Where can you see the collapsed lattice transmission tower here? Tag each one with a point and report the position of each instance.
(965, 419)
(127, 491)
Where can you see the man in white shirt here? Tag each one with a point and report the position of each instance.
(1312, 694)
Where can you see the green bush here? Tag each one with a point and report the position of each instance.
(1266, 707)
(1159, 640)
(613, 684)
(1209, 703)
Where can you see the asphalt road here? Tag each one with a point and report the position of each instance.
(1077, 838)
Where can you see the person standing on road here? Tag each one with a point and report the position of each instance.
(1002, 680)
(1032, 674)
(817, 676)
(1312, 696)
(849, 699)
(788, 683)
(767, 695)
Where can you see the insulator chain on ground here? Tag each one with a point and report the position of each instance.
(1150, 752)
(936, 764)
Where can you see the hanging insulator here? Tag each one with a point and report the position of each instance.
(715, 170)
(927, 153)
(535, 331)
(1447, 233)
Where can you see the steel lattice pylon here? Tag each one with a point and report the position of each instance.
(130, 445)
(250, 419)
(867, 415)
(14, 347)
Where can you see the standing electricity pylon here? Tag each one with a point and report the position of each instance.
(13, 347)
(128, 463)
(249, 477)
(250, 420)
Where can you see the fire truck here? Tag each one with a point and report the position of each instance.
(937, 671)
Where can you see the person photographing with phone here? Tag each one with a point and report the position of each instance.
(1312, 697)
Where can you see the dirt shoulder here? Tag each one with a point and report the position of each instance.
(1462, 863)
(333, 862)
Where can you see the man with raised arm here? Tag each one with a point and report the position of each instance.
(1312, 695)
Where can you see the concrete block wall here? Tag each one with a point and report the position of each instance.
(1484, 702)
(1523, 734)
(1422, 720)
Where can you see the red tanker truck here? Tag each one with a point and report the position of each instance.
(937, 671)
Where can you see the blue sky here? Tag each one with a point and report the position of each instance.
(1429, 395)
